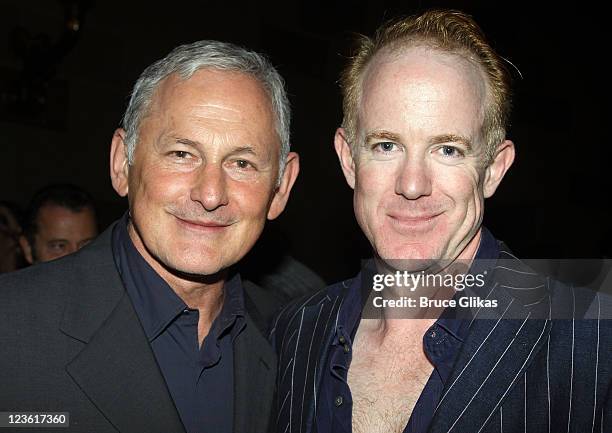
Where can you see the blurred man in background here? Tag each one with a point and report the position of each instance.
(60, 220)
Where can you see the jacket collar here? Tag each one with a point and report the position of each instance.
(500, 346)
(117, 369)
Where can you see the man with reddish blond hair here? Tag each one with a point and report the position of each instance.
(500, 348)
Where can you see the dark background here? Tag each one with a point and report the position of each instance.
(62, 93)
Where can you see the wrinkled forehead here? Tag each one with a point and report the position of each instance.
(212, 103)
(235, 90)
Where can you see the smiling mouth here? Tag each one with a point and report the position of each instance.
(203, 226)
(413, 220)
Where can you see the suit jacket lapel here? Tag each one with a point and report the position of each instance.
(254, 373)
(118, 372)
(501, 344)
(116, 368)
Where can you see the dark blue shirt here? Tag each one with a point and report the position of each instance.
(200, 379)
(441, 344)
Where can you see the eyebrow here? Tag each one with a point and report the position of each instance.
(381, 135)
(244, 149)
(187, 141)
(438, 139)
(196, 144)
(50, 241)
(452, 138)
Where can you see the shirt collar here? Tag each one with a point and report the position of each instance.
(357, 293)
(156, 304)
(487, 253)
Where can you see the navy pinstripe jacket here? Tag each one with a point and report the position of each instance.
(539, 362)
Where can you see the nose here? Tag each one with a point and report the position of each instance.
(414, 179)
(210, 187)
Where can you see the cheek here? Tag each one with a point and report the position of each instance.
(465, 190)
(460, 184)
(250, 200)
(373, 182)
(154, 185)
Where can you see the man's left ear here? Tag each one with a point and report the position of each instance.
(504, 157)
(279, 201)
(119, 165)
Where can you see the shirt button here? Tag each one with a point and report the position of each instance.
(433, 334)
(347, 349)
(338, 401)
(342, 340)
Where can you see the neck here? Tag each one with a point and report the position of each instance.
(201, 292)
(422, 284)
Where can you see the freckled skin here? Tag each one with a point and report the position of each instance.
(420, 186)
(417, 197)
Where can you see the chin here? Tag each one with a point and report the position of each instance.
(409, 257)
(197, 262)
(197, 269)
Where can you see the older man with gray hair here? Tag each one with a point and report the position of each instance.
(148, 329)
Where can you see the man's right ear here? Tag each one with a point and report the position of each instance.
(345, 155)
(119, 166)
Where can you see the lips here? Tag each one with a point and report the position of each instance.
(410, 223)
(202, 225)
(414, 218)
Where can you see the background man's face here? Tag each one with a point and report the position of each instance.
(204, 171)
(61, 231)
(418, 180)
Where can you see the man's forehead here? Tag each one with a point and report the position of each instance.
(414, 80)
(213, 85)
(421, 64)
(57, 212)
(233, 96)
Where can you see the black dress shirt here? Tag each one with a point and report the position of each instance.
(200, 378)
(441, 343)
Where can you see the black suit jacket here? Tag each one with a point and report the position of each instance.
(70, 341)
(541, 362)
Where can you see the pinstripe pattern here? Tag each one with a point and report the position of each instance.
(525, 394)
(302, 329)
(569, 417)
(484, 381)
(596, 361)
(525, 404)
(548, 379)
(521, 369)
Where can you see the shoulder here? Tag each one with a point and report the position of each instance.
(43, 284)
(573, 307)
(291, 315)
(47, 287)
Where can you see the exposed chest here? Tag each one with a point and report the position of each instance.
(386, 384)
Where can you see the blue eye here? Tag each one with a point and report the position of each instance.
(451, 151)
(386, 146)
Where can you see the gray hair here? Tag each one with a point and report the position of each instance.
(185, 60)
